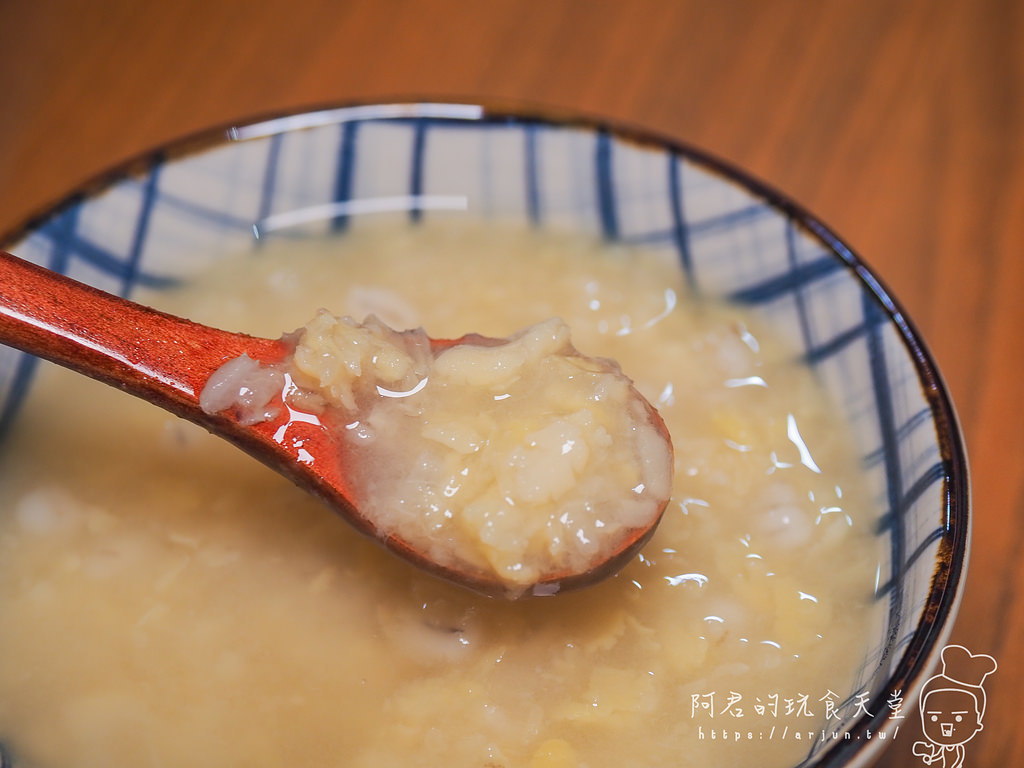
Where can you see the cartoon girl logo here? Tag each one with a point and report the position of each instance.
(952, 704)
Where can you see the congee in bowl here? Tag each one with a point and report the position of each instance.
(165, 600)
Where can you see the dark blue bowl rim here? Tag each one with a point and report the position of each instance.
(948, 574)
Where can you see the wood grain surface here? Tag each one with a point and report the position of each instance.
(900, 123)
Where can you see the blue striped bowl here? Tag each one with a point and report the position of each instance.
(158, 221)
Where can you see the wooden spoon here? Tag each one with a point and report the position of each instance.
(167, 361)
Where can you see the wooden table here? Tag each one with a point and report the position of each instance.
(899, 123)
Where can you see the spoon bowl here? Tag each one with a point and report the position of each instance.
(168, 360)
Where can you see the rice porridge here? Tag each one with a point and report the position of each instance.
(516, 464)
(167, 601)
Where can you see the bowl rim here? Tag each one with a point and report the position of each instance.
(920, 654)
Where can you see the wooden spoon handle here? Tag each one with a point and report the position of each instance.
(150, 354)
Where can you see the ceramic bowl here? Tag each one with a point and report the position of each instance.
(158, 221)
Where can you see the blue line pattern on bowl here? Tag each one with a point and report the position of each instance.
(732, 236)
